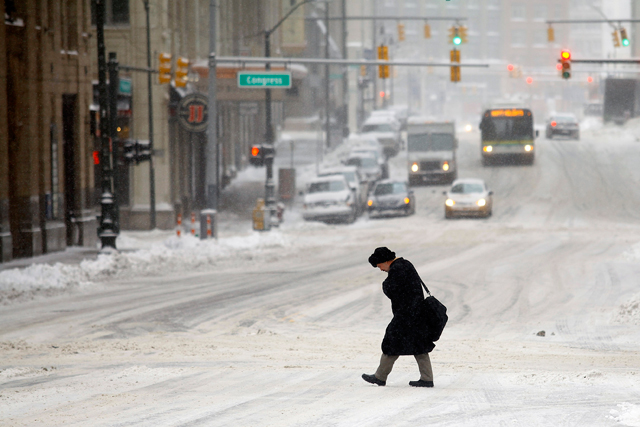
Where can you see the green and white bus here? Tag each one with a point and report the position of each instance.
(507, 132)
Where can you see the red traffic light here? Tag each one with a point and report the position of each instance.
(510, 67)
(566, 55)
(529, 80)
(559, 67)
(589, 79)
(255, 151)
(553, 123)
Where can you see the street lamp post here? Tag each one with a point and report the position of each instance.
(270, 198)
(107, 231)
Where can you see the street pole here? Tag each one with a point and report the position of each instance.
(212, 174)
(269, 187)
(327, 83)
(107, 231)
(152, 178)
(114, 86)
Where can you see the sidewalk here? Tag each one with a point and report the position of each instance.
(72, 255)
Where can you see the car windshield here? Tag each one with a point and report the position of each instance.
(506, 128)
(326, 186)
(362, 162)
(351, 176)
(431, 142)
(381, 127)
(467, 188)
(390, 188)
(373, 153)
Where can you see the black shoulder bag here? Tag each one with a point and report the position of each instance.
(434, 313)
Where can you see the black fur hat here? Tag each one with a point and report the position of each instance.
(380, 255)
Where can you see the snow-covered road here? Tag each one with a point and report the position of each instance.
(275, 329)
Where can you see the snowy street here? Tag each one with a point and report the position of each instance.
(275, 329)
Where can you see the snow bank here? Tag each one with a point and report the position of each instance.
(627, 414)
(154, 257)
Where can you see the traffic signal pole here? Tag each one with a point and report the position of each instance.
(213, 163)
(152, 178)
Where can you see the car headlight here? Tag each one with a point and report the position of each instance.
(407, 200)
(414, 167)
(481, 202)
(450, 202)
(488, 149)
(445, 166)
(369, 202)
(528, 148)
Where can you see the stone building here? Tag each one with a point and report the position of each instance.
(46, 150)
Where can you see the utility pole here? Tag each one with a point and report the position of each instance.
(107, 231)
(152, 178)
(345, 71)
(212, 174)
(114, 86)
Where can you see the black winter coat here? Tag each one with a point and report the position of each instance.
(406, 333)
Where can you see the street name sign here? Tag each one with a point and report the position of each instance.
(264, 79)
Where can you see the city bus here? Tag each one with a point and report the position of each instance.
(507, 133)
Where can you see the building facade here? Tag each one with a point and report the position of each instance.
(47, 199)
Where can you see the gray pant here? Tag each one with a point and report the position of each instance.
(386, 364)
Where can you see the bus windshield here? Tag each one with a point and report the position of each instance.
(507, 128)
(431, 142)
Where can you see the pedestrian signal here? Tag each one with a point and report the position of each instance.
(164, 68)
(256, 156)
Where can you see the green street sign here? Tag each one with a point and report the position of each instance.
(257, 80)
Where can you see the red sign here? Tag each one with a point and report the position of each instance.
(193, 112)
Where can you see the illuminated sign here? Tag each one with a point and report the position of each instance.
(507, 113)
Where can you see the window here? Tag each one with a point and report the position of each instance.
(472, 4)
(493, 4)
(518, 11)
(518, 37)
(540, 36)
(116, 12)
(540, 12)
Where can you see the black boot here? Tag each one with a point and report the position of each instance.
(421, 383)
(373, 380)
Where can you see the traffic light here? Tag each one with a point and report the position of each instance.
(401, 35)
(129, 150)
(455, 69)
(383, 55)
(551, 35)
(256, 156)
(456, 40)
(529, 80)
(144, 150)
(454, 36)
(623, 36)
(182, 70)
(164, 68)
(616, 38)
(510, 68)
(565, 60)
(462, 32)
(427, 31)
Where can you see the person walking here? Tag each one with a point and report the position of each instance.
(406, 334)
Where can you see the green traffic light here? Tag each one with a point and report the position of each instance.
(625, 42)
(457, 40)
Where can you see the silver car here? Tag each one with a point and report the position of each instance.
(468, 197)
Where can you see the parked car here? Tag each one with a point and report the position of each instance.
(369, 167)
(355, 181)
(391, 197)
(375, 152)
(563, 124)
(329, 199)
(387, 131)
(468, 197)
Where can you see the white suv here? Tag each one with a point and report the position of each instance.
(330, 199)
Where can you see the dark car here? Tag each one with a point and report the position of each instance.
(563, 124)
(391, 197)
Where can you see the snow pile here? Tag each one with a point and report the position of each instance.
(629, 312)
(628, 414)
(173, 254)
